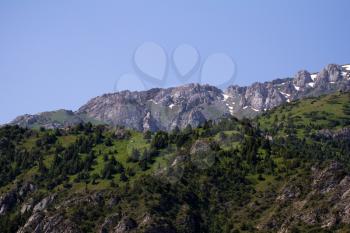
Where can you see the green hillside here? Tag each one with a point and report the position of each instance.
(278, 171)
(308, 115)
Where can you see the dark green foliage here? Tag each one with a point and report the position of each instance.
(251, 162)
(111, 168)
(134, 156)
(160, 140)
(147, 135)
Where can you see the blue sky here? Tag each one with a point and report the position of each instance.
(59, 54)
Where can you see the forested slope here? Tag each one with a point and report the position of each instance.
(285, 171)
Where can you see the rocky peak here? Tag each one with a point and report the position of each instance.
(331, 73)
(302, 78)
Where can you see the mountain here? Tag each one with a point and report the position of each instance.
(286, 170)
(164, 109)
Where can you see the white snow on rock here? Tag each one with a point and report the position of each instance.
(311, 84)
(153, 101)
(332, 82)
(171, 106)
(245, 107)
(288, 100)
(254, 109)
(313, 76)
(347, 67)
(226, 96)
(296, 88)
(281, 84)
(230, 107)
(285, 94)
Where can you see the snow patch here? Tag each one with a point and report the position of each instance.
(226, 96)
(285, 94)
(288, 100)
(313, 76)
(171, 106)
(311, 84)
(296, 88)
(245, 107)
(347, 67)
(254, 109)
(230, 107)
(153, 101)
(280, 84)
(332, 82)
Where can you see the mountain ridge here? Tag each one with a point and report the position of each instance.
(192, 104)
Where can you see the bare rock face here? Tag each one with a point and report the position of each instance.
(109, 223)
(334, 72)
(125, 225)
(40, 223)
(15, 196)
(7, 201)
(43, 220)
(157, 109)
(165, 109)
(331, 73)
(302, 78)
(44, 203)
(324, 202)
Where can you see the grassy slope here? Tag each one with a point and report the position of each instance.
(332, 107)
(330, 111)
(325, 112)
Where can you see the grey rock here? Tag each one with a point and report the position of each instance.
(7, 201)
(165, 109)
(28, 206)
(302, 78)
(329, 185)
(41, 223)
(125, 225)
(44, 203)
(109, 223)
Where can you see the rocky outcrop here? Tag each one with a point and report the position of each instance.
(302, 78)
(7, 201)
(323, 201)
(15, 196)
(157, 109)
(44, 203)
(40, 223)
(125, 225)
(54, 221)
(342, 134)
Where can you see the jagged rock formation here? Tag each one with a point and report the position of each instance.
(14, 197)
(164, 109)
(323, 200)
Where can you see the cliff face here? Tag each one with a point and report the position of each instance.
(164, 109)
(322, 200)
(158, 109)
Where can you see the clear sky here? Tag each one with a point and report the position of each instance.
(59, 54)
